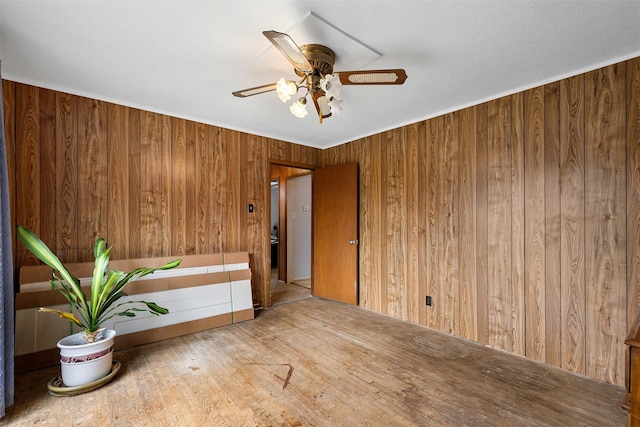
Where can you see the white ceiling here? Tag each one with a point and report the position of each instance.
(184, 58)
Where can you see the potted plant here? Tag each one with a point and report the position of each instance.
(87, 356)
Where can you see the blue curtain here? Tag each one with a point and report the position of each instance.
(6, 278)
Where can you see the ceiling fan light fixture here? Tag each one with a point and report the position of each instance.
(331, 85)
(285, 89)
(314, 64)
(299, 108)
(336, 105)
(323, 104)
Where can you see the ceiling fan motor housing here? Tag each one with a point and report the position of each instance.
(320, 57)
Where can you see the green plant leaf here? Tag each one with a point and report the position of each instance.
(149, 307)
(98, 282)
(126, 313)
(155, 308)
(143, 271)
(44, 254)
(106, 288)
(99, 247)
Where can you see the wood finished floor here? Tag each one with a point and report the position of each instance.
(284, 293)
(318, 363)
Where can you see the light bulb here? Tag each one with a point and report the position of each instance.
(285, 89)
(299, 108)
(331, 85)
(336, 105)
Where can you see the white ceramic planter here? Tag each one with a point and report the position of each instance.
(83, 363)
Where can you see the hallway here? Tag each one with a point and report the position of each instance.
(282, 293)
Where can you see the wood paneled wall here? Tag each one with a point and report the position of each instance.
(519, 216)
(150, 184)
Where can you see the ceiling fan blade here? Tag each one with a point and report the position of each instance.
(254, 90)
(290, 49)
(373, 77)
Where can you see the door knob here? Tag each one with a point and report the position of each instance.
(353, 242)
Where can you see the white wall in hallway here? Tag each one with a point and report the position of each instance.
(299, 228)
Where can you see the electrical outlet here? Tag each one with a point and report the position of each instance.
(429, 300)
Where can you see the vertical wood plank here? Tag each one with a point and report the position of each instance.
(365, 236)
(448, 251)
(518, 337)
(499, 227)
(118, 152)
(605, 225)
(67, 175)
(467, 218)
(166, 196)
(534, 224)
(395, 231)
(431, 201)
(206, 231)
(135, 184)
(553, 337)
(151, 182)
(48, 164)
(378, 291)
(242, 198)
(415, 297)
(388, 291)
(572, 243)
(423, 253)
(387, 288)
(482, 221)
(178, 187)
(233, 188)
(28, 163)
(9, 111)
(633, 189)
(92, 174)
(191, 190)
(220, 222)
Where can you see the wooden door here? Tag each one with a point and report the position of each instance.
(334, 267)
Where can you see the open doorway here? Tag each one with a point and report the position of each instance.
(290, 233)
(275, 234)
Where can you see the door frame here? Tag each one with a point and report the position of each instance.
(282, 220)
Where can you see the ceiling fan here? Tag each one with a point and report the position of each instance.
(313, 63)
